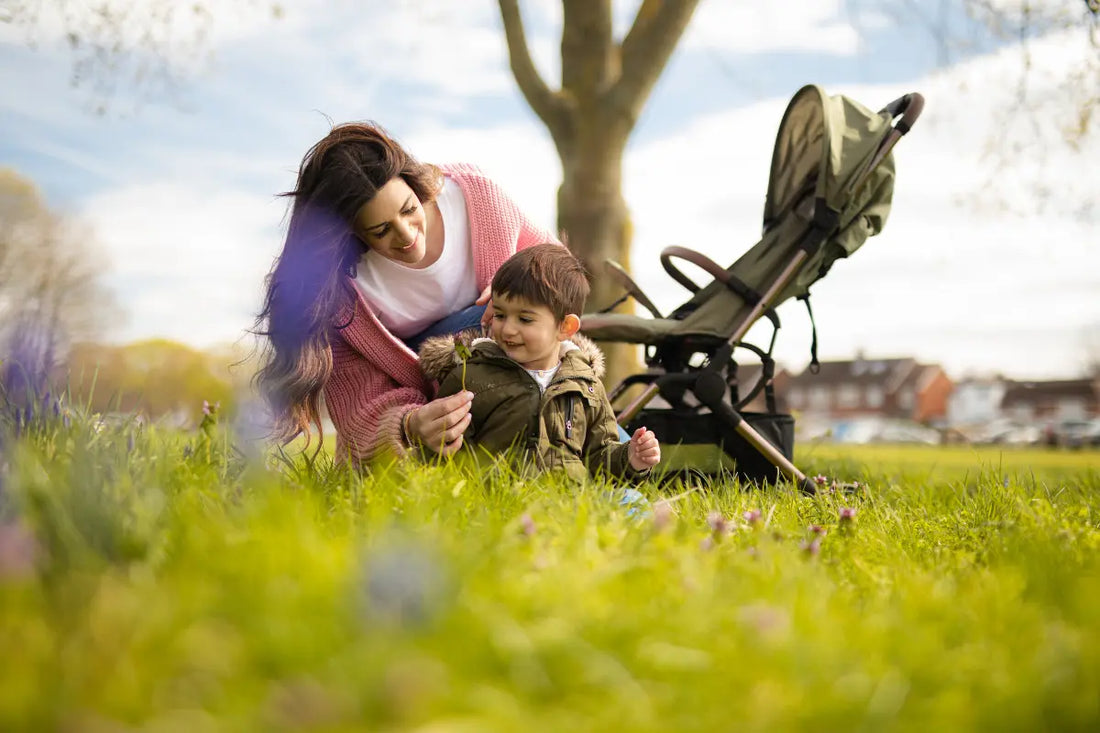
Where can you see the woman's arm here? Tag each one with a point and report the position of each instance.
(372, 413)
(366, 405)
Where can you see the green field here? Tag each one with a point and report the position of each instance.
(165, 581)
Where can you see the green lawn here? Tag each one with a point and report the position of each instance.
(160, 581)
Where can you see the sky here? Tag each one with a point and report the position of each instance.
(989, 263)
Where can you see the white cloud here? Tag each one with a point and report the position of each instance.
(815, 25)
(518, 156)
(187, 263)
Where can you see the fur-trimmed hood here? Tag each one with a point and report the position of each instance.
(439, 354)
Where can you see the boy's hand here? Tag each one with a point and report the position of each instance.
(643, 451)
(486, 299)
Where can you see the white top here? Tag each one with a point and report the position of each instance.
(408, 300)
(543, 377)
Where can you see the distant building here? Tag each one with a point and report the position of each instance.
(976, 400)
(1065, 399)
(894, 388)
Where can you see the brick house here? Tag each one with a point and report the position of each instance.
(897, 388)
(1065, 399)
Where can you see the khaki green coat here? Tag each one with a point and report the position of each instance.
(570, 427)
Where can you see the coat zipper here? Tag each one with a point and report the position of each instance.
(569, 415)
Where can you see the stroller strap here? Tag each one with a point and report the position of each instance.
(815, 365)
(750, 296)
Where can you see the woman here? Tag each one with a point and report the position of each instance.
(381, 252)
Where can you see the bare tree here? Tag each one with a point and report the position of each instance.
(51, 289)
(150, 47)
(604, 86)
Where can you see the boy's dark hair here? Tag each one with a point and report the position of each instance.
(547, 275)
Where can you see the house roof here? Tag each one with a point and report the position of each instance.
(1029, 393)
(888, 373)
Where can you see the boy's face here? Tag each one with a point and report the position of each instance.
(528, 333)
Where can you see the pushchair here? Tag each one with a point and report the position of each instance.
(831, 184)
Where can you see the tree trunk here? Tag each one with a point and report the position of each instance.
(595, 219)
(604, 85)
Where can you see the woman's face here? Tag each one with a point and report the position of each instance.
(393, 223)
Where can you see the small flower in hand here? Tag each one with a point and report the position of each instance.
(463, 352)
(643, 451)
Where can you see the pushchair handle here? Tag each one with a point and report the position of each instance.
(908, 107)
(698, 259)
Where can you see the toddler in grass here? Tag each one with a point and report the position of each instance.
(536, 382)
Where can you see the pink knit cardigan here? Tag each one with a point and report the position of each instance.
(375, 378)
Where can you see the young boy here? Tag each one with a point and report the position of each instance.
(536, 382)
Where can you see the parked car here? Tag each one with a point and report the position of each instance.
(1007, 432)
(1092, 433)
(1073, 433)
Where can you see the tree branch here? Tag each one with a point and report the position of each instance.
(547, 104)
(589, 58)
(646, 49)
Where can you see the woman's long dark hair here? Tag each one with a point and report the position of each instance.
(308, 291)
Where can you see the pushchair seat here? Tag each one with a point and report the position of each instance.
(627, 328)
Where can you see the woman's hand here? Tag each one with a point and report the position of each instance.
(644, 450)
(439, 425)
(486, 299)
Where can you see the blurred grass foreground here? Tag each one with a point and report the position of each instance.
(158, 579)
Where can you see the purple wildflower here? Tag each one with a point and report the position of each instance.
(820, 480)
(817, 529)
(847, 514)
(662, 515)
(717, 523)
(753, 516)
(18, 551)
(527, 525)
(811, 547)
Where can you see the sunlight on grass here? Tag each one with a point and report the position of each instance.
(162, 580)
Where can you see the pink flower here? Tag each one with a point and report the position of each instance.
(812, 547)
(19, 551)
(817, 529)
(820, 480)
(847, 514)
(527, 525)
(662, 515)
(752, 516)
(717, 523)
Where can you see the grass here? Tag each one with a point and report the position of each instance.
(164, 581)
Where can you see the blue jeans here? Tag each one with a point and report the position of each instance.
(466, 318)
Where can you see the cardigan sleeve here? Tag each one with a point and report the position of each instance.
(531, 234)
(366, 405)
